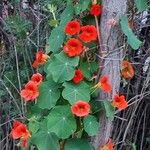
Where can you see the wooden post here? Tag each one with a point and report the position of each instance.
(112, 49)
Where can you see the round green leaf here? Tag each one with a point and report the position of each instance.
(109, 109)
(96, 106)
(75, 92)
(48, 95)
(62, 67)
(34, 126)
(66, 15)
(45, 140)
(56, 39)
(48, 62)
(33, 111)
(132, 40)
(91, 125)
(82, 6)
(61, 122)
(78, 144)
(84, 67)
(88, 69)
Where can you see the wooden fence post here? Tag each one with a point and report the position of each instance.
(112, 53)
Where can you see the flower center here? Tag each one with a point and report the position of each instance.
(73, 27)
(81, 108)
(126, 69)
(117, 100)
(73, 46)
(30, 92)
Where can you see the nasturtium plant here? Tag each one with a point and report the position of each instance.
(91, 126)
(132, 40)
(74, 92)
(62, 109)
(62, 67)
(49, 93)
(61, 121)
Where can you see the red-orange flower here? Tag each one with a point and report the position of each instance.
(88, 34)
(78, 76)
(95, 10)
(30, 91)
(80, 108)
(73, 47)
(19, 130)
(104, 84)
(40, 59)
(72, 27)
(119, 102)
(127, 70)
(108, 146)
(36, 78)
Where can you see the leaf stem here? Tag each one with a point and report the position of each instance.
(98, 34)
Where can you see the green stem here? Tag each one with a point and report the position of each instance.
(79, 128)
(93, 91)
(54, 16)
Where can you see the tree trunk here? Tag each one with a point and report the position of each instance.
(111, 47)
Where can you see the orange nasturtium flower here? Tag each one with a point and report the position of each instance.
(19, 130)
(104, 84)
(88, 33)
(80, 108)
(40, 59)
(95, 10)
(73, 47)
(127, 70)
(72, 27)
(108, 146)
(30, 91)
(78, 76)
(36, 78)
(119, 102)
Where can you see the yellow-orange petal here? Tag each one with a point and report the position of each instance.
(108, 146)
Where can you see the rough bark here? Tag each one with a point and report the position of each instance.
(111, 46)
